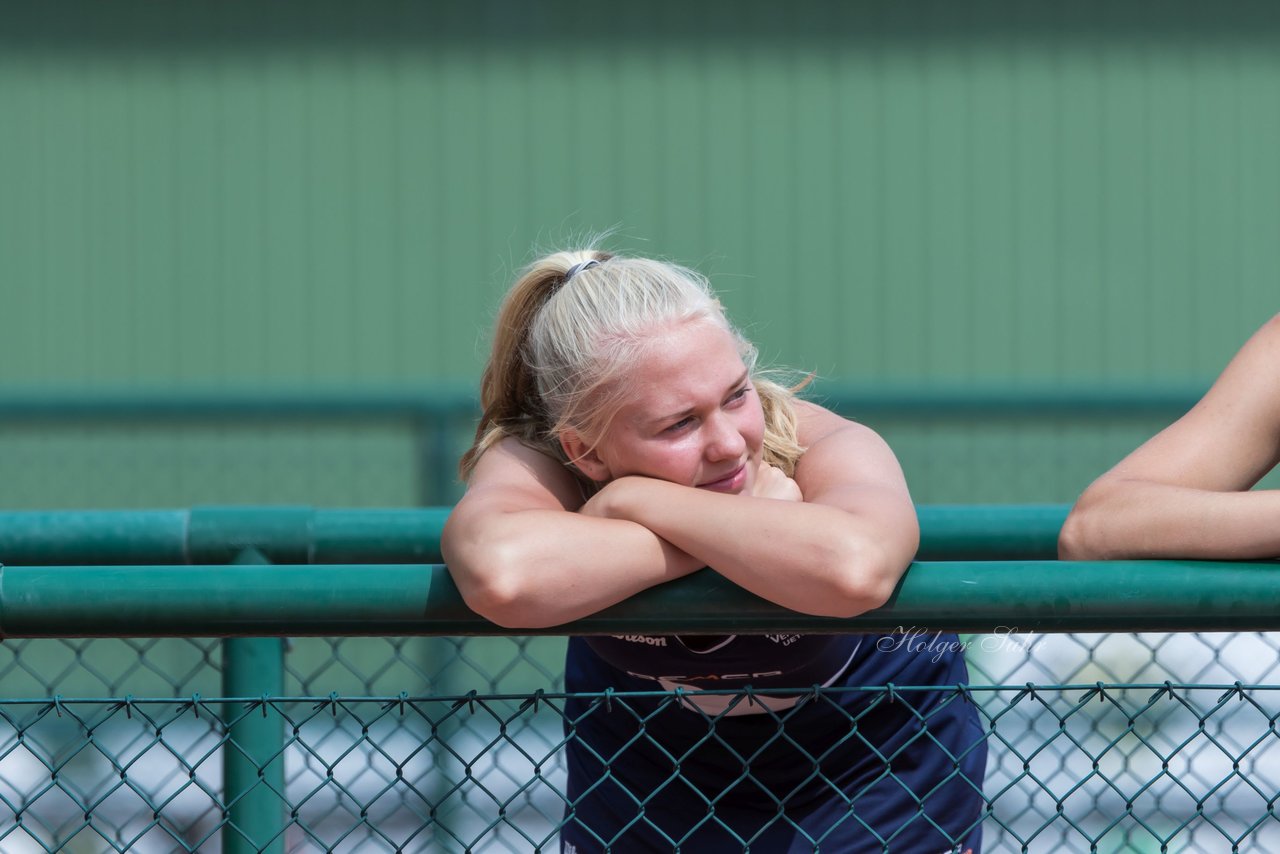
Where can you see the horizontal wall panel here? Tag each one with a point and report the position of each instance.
(937, 191)
(326, 195)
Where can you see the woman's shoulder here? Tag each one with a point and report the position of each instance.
(518, 472)
(840, 452)
(816, 424)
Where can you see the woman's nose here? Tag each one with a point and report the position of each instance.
(724, 441)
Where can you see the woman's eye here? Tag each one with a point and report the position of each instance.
(679, 425)
(737, 395)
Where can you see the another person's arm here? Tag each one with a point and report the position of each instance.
(1184, 494)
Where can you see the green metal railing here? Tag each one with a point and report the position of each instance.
(375, 599)
(443, 401)
(467, 769)
(411, 535)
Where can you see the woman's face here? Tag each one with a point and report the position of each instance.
(691, 416)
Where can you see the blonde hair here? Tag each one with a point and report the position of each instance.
(566, 333)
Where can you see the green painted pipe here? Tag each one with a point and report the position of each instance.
(305, 535)
(981, 402)
(253, 757)
(441, 401)
(416, 599)
(458, 401)
(388, 535)
(990, 531)
(93, 536)
(218, 534)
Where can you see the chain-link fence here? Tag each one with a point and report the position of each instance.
(1157, 767)
(1109, 742)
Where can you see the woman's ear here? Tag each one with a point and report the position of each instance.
(584, 456)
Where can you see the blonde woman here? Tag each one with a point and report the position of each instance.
(1186, 492)
(626, 441)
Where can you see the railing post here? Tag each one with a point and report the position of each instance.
(252, 760)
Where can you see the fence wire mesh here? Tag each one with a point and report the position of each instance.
(1137, 766)
(1150, 742)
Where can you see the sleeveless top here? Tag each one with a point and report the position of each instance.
(770, 663)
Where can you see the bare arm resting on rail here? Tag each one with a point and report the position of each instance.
(1184, 493)
(523, 557)
(838, 552)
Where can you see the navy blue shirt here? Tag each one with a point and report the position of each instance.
(860, 770)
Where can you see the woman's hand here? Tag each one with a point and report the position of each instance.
(770, 482)
(601, 505)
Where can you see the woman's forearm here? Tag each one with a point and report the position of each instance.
(812, 558)
(538, 568)
(1145, 520)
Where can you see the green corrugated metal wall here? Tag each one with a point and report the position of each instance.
(331, 194)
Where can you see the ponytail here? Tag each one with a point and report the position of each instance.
(509, 399)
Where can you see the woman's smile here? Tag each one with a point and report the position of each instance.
(732, 482)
